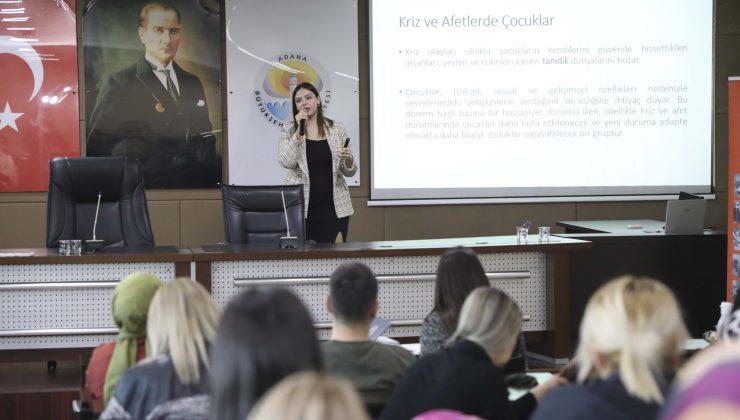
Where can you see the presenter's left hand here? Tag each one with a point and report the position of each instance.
(346, 155)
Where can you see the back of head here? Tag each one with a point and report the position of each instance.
(130, 307)
(634, 326)
(489, 318)
(182, 324)
(131, 300)
(354, 292)
(458, 273)
(264, 336)
(310, 396)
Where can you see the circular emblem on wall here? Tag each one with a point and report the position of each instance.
(278, 80)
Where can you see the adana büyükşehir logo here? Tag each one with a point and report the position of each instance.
(289, 70)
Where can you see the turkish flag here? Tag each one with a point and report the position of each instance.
(39, 106)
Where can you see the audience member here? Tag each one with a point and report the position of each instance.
(458, 273)
(631, 339)
(174, 383)
(264, 336)
(708, 387)
(468, 375)
(372, 367)
(310, 396)
(109, 361)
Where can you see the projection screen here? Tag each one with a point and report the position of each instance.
(536, 99)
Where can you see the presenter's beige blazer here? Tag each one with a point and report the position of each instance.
(293, 158)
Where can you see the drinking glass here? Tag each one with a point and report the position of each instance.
(75, 247)
(544, 233)
(521, 234)
(64, 247)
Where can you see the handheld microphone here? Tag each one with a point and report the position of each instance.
(94, 244)
(302, 124)
(288, 241)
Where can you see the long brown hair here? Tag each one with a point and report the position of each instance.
(320, 119)
(459, 272)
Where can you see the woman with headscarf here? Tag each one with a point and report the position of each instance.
(130, 305)
(173, 382)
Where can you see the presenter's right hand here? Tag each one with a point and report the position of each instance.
(302, 115)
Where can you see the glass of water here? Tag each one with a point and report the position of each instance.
(544, 232)
(521, 234)
(64, 246)
(75, 247)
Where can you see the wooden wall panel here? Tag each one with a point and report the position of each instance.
(23, 225)
(165, 219)
(202, 222)
(471, 220)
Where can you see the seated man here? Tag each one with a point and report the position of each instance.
(374, 368)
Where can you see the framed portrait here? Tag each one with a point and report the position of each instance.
(153, 88)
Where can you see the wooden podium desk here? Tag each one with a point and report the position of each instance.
(694, 266)
(535, 274)
(55, 307)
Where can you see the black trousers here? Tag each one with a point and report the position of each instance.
(323, 226)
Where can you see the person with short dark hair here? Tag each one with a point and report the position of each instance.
(156, 111)
(374, 368)
(264, 336)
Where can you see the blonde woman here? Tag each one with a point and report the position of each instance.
(310, 396)
(631, 340)
(174, 383)
(468, 375)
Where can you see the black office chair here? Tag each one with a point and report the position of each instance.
(74, 184)
(254, 214)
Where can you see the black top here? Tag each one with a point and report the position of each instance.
(321, 195)
(602, 399)
(461, 378)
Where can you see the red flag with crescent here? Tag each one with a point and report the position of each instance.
(39, 107)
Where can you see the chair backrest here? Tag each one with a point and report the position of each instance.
(74, 184)
(254, 214)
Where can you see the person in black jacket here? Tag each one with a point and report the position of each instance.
(468, 376)
(631, 339)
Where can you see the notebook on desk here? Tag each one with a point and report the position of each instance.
(685, 217)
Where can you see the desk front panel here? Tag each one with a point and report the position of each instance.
(63, 305)
(406, 284)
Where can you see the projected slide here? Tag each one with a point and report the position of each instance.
(527, 98)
